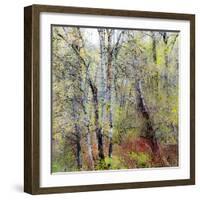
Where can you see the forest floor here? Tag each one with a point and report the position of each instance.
(137, 153)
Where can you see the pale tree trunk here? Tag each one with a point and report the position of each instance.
(102, 88)
(155, 84)
(112, 53)
(89, 146)
(168, 45)
(87, 121)
(109, 91)
(166, 62)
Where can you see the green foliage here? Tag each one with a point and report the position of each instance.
(114, 163)
(142, 159)
(101, 165)
(56, 167)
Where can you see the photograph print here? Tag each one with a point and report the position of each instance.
(115, 96)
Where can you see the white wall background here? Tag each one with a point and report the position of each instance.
(11, 100)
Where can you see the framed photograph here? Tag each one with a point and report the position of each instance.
(109, 99)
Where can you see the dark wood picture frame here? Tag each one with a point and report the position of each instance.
(32, 93)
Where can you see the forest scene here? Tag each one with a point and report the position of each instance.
(114, 98)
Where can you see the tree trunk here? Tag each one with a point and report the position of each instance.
(142, 107)
(89, 146)
(97, 125)
(87, 119)
(77, 135)
(154, 54)
(149, 130)
(109, 92)
(88, 139)
(166, 61)
(102, 88)
(78, 147)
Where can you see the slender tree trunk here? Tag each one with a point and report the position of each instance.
(102, 88)
(155, 86)
(87, 118)
(166, 62)
(109, 92)
(112, 53)
(96, 117)
(154, 48)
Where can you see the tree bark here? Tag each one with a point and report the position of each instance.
(84, 100)
(166, 62)
(87, 118)
(102, 88)
(78, 147)
(154, 47)
(89, 146)
(97, 125)
(142, 107)
(77, 135)
(109, 92)
(150, 132)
